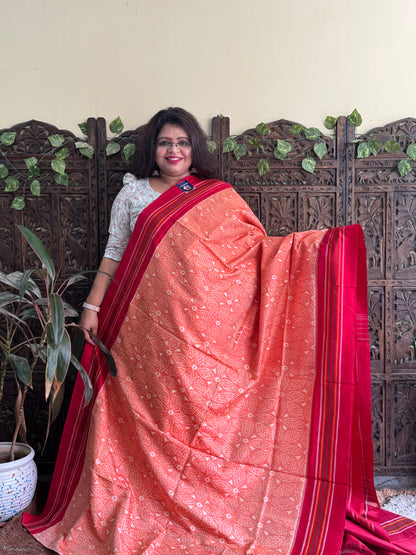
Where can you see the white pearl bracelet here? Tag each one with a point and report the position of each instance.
(91, 307)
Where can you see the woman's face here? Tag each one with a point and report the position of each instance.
(173, 152)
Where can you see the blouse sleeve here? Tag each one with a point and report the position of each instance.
(119, 230)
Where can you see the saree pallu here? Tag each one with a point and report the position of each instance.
(239, 420)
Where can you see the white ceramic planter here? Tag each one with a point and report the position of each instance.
(17, 480)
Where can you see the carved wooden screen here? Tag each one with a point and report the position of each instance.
(385, 205)
(73, 221)
(65, 219)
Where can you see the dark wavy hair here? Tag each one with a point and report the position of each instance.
(144, 163)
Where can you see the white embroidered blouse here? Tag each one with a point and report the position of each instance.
(135, 195)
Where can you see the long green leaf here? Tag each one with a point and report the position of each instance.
(27, 284)
(109, 357)
(21, 368)
(51, 359)
(64, 358)
(7, 298)
(39, 250)
(57, 317)
(85, 378)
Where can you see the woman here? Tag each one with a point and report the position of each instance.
(234, 424)
(172, 143)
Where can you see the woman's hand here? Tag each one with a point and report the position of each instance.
(89, 318)
(89, 323)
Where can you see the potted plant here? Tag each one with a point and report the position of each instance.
(35, 322)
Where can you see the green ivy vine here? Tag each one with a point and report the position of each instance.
(19, 181)
(284, 148)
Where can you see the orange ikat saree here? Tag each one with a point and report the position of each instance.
(239, 420)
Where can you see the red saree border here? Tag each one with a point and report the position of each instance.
(152, 225)
(322, 520)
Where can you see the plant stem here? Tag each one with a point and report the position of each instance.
(19, 418)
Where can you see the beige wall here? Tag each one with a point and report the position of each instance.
(253, 60)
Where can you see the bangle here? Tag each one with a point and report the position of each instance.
(91, 307)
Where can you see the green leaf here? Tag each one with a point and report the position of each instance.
(263, 167)
(58, 166)
(116, 126)
(391, 146)
(374, 146)
(38, 248)
(85, 149)
(404, 167)
(35, 188)
(62, 153)
(18, 203)
(12, 184)
(228, 145)
(32, 167)
(112, 148)
(57, 316)
(4, 172)
(363, 150)
(30, 162)
(64, 358)
(7, 138)
(85, 378)
(262, 129)
(211, 145)
(330, 122)
(33, 172)
(109, 357)
(61, 179)
(21, 368)
(279, 155)
(312, 133)
(411, 151)
(56, 140)
(83, 127)
(296, 129)
(127, 153)
(284, 147)
(355, 118)
(21, 281)
(51, 357)
(320, 150)
(27, 284)
(308, 164)
(254, 142)
(240, 151)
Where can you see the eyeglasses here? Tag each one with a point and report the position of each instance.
(169, 144)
